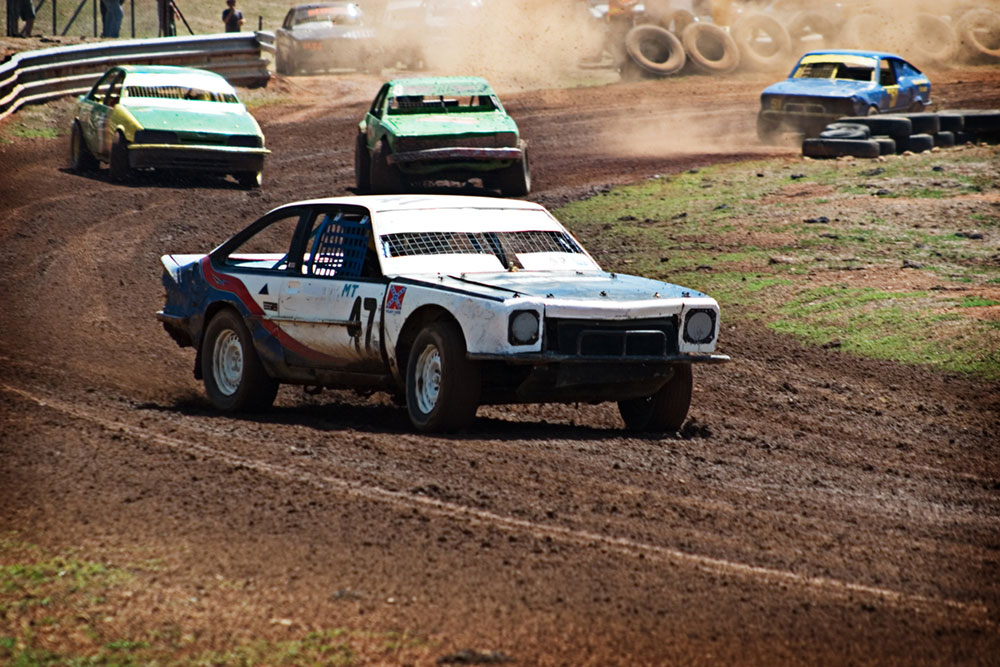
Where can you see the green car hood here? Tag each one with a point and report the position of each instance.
(204, 117)
(457, 123)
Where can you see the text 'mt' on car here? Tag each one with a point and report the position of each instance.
(448, 301)
(164, 117)
(439, 128)
(325, 36)
(827, 85)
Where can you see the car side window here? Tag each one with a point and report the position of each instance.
(379, 102)
(886, 73)
(115, 90)
(269, 247)
(338, 246)
(100, 89)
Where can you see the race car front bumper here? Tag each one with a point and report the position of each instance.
(456, 154)
(222, 159)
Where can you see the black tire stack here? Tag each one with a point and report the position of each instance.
(871, 136)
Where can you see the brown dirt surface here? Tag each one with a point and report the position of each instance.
(815, 509)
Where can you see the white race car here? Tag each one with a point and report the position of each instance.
(451, 301)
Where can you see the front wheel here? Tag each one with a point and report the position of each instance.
(81, 159)
(118, 164)
(442, 385)
(665, 410)
(515, 180)
(383, 178)
(362, 165)
(234, 378)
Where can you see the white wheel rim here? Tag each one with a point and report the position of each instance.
(427, 376)
(227, 362)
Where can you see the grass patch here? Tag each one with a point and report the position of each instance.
(807, 247)
(62, 609)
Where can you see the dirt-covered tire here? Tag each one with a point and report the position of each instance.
(676, 20)
(978, 33)
(362, 165)
(234, 378)
(951, 122)
(515, 180)
(886, 145)
(119, 167)
(861, 31)
(80, 158)
(923, 122)
(654, 49)
(832, 148)
(767, 130)
(843, 130)
(763, 42)
(665, 410)
(915, 143)
(710, 48)
(982, 122)
(284, 62)
(250, 180)
(935, 39)
(807, 23)
(383, 178)
(442, 385)
(888, 125)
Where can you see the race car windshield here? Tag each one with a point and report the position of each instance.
(180, 93)
(835, 70)
(335, 15)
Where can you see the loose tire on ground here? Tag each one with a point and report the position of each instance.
(886, 145)
(442, 385)
(811, 22)
(979, 34)
(756, 52)
(118, 165)
(234, 378)
(654, 49)
(891, 126)
(924, 122)
(831, 148)
(951, 122)
(944, 139)
(665, 410)
(80, 158)
(710, 48)
(362, 165)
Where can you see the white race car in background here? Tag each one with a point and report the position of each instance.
(451, 301)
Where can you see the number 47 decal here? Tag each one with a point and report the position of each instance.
(354, 329)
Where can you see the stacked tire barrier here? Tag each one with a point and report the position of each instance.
(34, 77)
(872, 136)
(769, 38)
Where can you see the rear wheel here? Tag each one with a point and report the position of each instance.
(442, 385)
(81, 159)
(665, 410)
(250, 180)
(515, 180)
(284, 63)
(119, 166)
(234, 378)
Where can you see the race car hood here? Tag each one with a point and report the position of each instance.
(209, 117)
(819, 87)
(605, 289)
(435, 124)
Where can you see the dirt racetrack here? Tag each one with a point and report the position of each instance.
(815, 509)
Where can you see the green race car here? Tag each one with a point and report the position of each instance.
(140, 117)
(439, 128)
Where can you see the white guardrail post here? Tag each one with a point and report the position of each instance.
(32, 77)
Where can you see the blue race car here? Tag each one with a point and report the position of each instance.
(826, 85)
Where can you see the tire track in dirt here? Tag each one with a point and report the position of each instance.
(835, 588)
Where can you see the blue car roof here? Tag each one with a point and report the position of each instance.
(851, 52)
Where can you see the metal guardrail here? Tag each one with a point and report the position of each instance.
(32, 77)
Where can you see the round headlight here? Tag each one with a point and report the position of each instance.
(699, 327)
(524, 327)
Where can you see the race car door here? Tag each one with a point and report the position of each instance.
(95, 109)
(332, 306)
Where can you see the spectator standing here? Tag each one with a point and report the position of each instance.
(232, 17)
(111, 17)
(26, 12)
